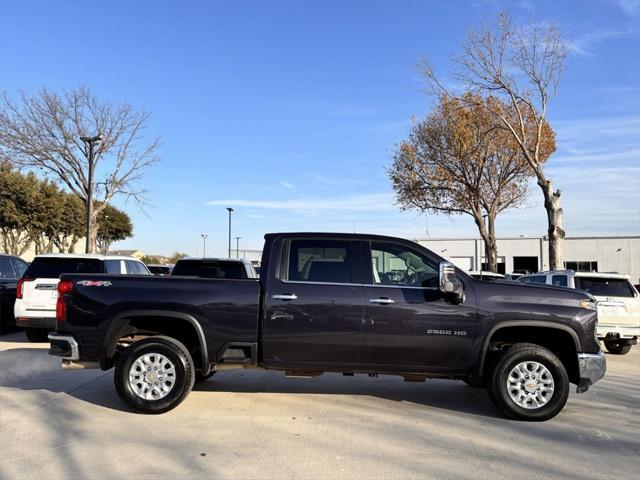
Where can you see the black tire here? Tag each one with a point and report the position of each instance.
(616, 347)
(528, 352)
(37, 335)
(176, 353)
(203, 378)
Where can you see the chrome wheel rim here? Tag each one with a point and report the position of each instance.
(152, 376)
(530, 385)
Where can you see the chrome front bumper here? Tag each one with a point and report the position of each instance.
(592, 367)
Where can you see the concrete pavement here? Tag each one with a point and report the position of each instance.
(254, 424)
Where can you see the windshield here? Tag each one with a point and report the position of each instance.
(52, 267)
(605, 287)
(209, 269)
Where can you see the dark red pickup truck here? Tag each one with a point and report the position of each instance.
(346, 303)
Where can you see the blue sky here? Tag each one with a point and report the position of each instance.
(289, 111)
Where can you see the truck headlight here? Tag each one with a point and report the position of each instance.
(590, 304)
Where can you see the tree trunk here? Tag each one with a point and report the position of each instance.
(489, 238)
(555, 231)
(491, 246)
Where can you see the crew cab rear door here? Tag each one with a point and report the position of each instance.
(313, 307)
(409, 322)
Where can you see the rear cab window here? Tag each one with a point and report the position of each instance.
(605, 287)
(559, 280)
(209, 269)
(53, 267)
(319, 260)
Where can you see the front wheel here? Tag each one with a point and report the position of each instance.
(616, 347)
(154, 375)
(529, 383)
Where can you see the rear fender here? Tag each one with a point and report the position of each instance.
(119, 325)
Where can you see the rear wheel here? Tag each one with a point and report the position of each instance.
(37, 335)
(154, 375)
(529, 383)
(617, 347)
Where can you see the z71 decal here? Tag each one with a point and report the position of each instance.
(95, 283)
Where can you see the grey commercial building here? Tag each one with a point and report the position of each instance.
(603, 254)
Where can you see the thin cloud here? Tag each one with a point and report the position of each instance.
(584, 46)
(363, 202)
(288, 186)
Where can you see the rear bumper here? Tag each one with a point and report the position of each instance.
(617, 331)
(592, 367)
(63, 346)
(36, 322)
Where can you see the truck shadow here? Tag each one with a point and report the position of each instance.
(440, 394)
(33, 369)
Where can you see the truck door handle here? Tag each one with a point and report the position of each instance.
(285, 296)
(382, 300)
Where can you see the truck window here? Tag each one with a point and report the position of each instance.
(326, 261)
(53, 267)
(559, 280)
(605, 287)
(19, 266)
(398, 265)
(112, 266)
(534, 279)
(6, 269)
(209, 269)
(142, 269)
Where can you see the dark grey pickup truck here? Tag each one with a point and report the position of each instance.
(345, 303)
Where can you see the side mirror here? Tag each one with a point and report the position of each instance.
(449, 283)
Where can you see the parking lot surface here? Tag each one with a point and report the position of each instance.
(254, 424)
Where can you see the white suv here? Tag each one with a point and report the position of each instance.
(618, 303)
(37, 290)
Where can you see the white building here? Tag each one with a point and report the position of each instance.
(603, 254)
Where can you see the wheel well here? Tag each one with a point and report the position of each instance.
(558, 341)
(133, 329)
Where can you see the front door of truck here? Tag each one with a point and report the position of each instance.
(313, 309)
(409, 322)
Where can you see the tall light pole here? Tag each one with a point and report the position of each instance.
(229, 209)
(204, 244)
(237, 246)
(90, 142)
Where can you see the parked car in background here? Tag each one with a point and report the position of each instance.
(618, 303)
(11, 269)
(37, 290)
(488, 276)
(331, 302)
(160, 269)
(513, 276)
(214, 268)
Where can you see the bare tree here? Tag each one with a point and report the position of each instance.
(460, 161)
(522, 67)
(43, 132)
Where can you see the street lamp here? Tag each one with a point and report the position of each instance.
(204, 244)
(90, 141)
(237, 246)
(229, 209)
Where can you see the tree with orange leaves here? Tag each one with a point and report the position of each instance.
(459, 160)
